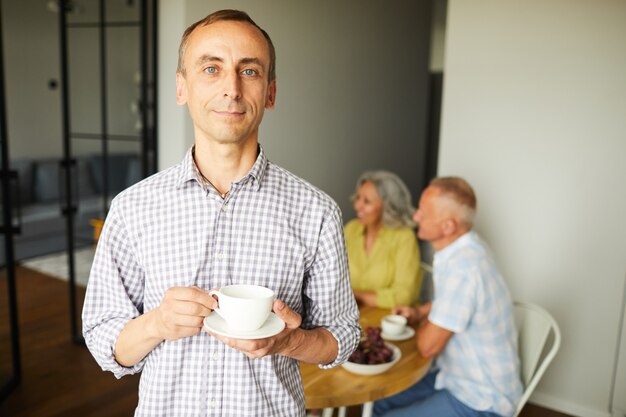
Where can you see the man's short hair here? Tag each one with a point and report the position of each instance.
(226, 14)
(461, 193)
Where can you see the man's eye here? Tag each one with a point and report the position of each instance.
(249, 72)
(211, 70)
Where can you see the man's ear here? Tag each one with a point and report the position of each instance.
(271, 95)
(450, 227)
(181, 89)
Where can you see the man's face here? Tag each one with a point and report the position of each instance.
(429, 216)
(226, 83)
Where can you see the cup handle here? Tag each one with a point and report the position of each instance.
(217, 294)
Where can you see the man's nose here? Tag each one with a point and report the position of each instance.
(232, 85)
(417, 216)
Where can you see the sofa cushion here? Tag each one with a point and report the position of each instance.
(22, 186)
(134, 174)
(46, 181)
(86, 187)
(118, 166)
(50, 187)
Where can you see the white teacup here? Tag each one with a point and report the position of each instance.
(393, 324)
(244, 307)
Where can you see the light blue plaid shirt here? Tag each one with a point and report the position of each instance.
(479, 365)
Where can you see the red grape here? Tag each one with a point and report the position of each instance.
(372, 349)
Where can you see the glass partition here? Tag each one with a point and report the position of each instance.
(110, 135)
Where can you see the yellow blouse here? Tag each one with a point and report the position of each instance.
(392, 269)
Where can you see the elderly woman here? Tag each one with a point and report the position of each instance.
(382, 247)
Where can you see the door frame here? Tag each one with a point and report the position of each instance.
(8, 229)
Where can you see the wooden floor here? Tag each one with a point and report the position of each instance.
(60, 378)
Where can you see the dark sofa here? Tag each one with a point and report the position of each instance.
(38, 194)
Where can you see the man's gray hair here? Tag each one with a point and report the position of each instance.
(458, 191)
(397, 208)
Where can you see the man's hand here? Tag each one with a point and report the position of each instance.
(312, 346)
(414, 315)
(182, 312)
(281, 344)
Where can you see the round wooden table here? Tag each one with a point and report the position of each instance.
(335, 388)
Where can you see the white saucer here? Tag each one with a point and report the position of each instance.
(408, 333)
(272, 326)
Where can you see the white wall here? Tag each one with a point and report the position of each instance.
(352, 87)
(534, 116)
(173, 138)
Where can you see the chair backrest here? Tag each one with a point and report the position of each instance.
(534, 325)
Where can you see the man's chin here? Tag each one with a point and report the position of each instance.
(231, 138)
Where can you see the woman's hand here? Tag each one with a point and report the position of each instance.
(365, 298)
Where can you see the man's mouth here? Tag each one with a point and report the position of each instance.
(230, 113)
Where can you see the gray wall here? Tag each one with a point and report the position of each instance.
(352, 88)
(31, 58)
(534, 116)
(31, 42)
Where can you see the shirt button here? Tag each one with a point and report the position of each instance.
(224, 207)
(213, 403)
(215, 356)
(220, 256)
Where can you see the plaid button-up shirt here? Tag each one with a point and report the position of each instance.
(271, 229)
(479, 365)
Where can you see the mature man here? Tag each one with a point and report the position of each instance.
(224, 215)
(469, 324)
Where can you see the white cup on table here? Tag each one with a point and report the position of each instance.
(393, 324)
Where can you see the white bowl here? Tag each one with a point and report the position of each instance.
(364, 369)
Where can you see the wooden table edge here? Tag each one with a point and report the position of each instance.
(358, 398)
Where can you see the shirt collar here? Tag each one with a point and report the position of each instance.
(257, 173)
(189, 171)
(447, 252)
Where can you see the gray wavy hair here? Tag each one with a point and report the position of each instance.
(397, 208)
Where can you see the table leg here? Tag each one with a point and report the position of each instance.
(368, 408)
(328, 412)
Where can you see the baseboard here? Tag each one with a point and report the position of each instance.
(566, 407)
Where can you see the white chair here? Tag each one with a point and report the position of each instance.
(534, 325)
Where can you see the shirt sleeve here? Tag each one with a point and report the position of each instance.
(114, 294)
(329, 300)
(407, 278)
(455, 300)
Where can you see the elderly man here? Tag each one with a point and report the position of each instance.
(224, 215)
(468, 325)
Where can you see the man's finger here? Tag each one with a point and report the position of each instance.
(292, 319)
(195, 294)
(191, 308)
